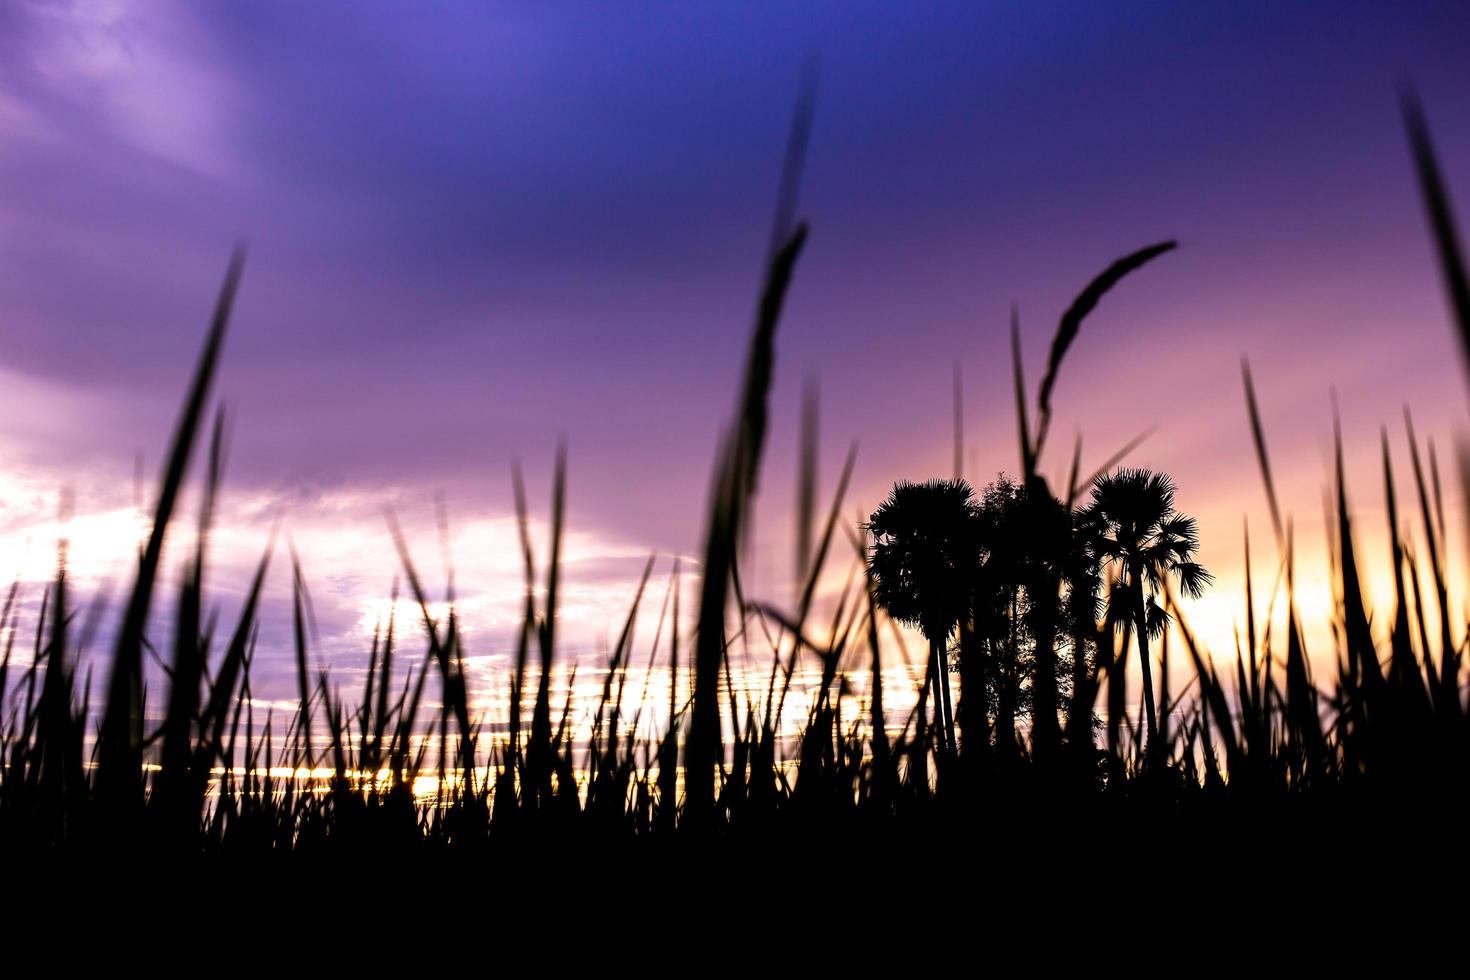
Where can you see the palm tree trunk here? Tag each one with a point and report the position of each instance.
(939, 680)
(1117, 702)
(1005, 689)
(1141, 626)
(919, 750)
(949, 733)
(970, 708)
(1044, 735)
(1079, 709)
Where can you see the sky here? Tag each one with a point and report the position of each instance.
(475, 230)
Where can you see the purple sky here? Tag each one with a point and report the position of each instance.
(478, 229)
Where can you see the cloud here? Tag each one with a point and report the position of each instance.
(140, 75)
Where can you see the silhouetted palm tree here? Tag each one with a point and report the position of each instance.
(1137, 529)
(926, 547)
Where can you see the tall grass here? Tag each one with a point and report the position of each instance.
(202, 773)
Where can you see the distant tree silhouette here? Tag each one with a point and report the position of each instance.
(926, 547)
(1135, 528)
(1036, 582)
(1000, 605)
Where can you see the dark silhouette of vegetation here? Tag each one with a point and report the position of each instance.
(1037, 583)
(926, 551)
(1016, 576)
(1134, 527)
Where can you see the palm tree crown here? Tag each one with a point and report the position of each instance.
(1140, 532)
(926, 546)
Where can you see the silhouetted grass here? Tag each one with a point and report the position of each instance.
(1234, 752)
